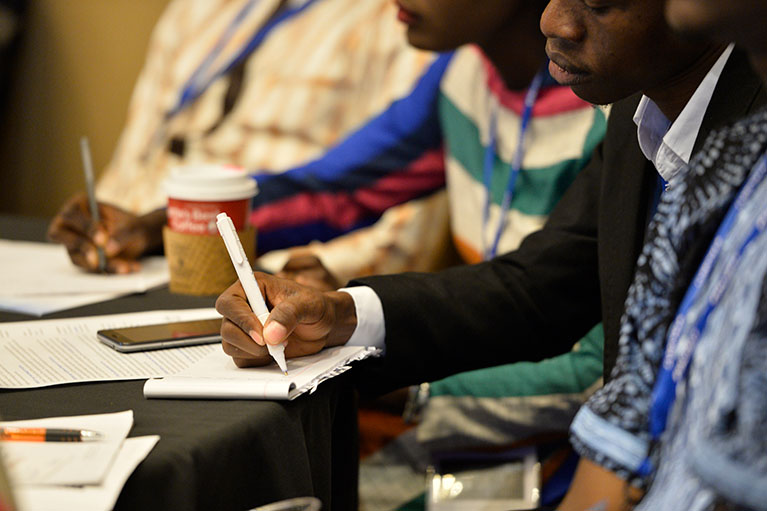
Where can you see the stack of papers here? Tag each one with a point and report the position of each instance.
(55, 351)
(39, 278)
(75, 475)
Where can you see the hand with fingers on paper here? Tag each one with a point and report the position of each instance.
(307, 318)
(123, 236)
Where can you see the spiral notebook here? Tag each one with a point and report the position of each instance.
(216, 376)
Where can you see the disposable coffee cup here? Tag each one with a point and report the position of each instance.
(197, 258)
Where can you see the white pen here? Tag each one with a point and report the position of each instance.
(248, 281)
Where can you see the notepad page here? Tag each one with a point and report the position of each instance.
(217, 377)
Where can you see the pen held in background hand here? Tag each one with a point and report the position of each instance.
(85, 153)
(16, 434)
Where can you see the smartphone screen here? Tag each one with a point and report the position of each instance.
(166, 335)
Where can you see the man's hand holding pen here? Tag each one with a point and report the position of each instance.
(123, 236)
(309, 319)
(103, 238)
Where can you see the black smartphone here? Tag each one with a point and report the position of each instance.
(165, 335)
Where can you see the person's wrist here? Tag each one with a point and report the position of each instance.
(345, 317)
(152, 224)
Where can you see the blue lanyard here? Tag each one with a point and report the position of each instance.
(683, 336)
(203, 77)
(516, 165)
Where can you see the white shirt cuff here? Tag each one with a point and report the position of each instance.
(370, 330)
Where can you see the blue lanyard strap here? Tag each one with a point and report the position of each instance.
(203, 76)
(683, 336)
(516, 164)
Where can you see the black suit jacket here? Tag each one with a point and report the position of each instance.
(538, 300)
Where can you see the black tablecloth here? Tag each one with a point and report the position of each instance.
(212, 454)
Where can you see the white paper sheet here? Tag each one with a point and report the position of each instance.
(66, 463)
(89, 498)
(39, 278)
(37, 305)
(54, 351)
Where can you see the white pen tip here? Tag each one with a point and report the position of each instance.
(277, 351)
(90, 436)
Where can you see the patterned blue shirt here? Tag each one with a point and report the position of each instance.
(713, 454)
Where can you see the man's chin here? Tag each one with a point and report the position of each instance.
(594, 95)
(427, 42)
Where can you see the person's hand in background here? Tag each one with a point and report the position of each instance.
(308, 319)
(308, 270)
(125, 237)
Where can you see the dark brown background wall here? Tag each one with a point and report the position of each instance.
(73, 73)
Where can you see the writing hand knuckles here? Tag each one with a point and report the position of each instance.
(78, 259)
(233, 350)
(55, 229)
(118, 265)
(76, 214)
(60, 232)
(245, 359)
(133, 240)
(233, 334)
(231, 301)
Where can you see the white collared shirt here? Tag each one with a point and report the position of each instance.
(667, 145)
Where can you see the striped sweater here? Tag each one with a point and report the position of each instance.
(435, 137)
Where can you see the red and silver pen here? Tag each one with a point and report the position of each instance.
(16, 434)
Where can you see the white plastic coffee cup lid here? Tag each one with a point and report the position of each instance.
(209, 183)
